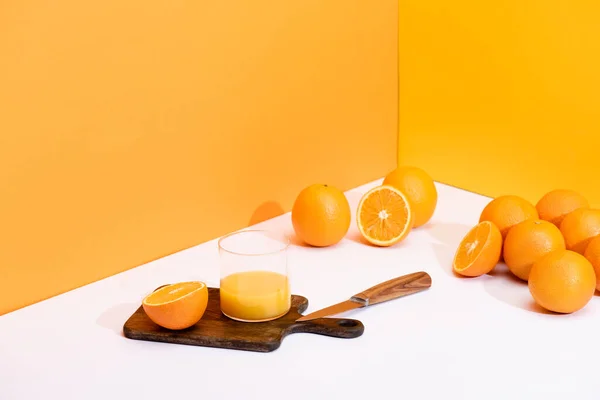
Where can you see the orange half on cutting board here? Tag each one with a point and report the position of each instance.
(383, 216)
(177, 306)
(479, 250)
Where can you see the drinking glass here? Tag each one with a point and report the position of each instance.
(254, 275)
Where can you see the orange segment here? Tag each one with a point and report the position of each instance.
(171, 293)
(177, 306)
(383, 216)
(479, 251)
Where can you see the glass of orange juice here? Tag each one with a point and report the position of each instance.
(255, 283)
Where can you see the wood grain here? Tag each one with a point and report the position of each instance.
(395, 288)
(216, 330)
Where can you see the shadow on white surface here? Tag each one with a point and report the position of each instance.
(354, 197)
(115, 317)
(511, 290)
(449, 234)
(355, 236)
(296, 241)
(445, 255)
(503, 285)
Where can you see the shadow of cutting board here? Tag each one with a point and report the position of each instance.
(216, 330)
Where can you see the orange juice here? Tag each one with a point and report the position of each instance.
(255, 295)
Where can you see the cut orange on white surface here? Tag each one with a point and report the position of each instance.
(479, 251)
(384, 216)
(177, 306)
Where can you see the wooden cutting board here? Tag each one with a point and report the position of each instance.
(216, 330)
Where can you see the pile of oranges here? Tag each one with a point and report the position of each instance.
(554, 246)
(385, 215)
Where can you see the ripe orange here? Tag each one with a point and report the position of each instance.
(579, 227)
(321, 215)
(479, 251)
(529, 241)
(592, 253)
(419, 188)
(556, 204)
(177, 306)
(562, 281)
(507, 211)
(384, 216)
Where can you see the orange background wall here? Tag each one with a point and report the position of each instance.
(129, 130)
(502, 97)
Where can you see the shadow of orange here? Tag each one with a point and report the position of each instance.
(265, 211)
(355, 236)
(511, 290)
(449, 234)
(297, 241)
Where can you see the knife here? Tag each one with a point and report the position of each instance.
(388, 290)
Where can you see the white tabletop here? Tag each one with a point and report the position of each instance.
(474, 339)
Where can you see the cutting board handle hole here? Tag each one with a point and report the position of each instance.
(347, 323)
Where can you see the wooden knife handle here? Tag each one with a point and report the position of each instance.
(394, 288)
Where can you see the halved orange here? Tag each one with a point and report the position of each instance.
(177, 306)
(479, 251)
(384, 216)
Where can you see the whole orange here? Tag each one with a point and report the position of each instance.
(592, 253)
(562, 281)
(507, 211)
(419, 189)
(579, 227)
(556, 204)
(529, 241)
(321, 215)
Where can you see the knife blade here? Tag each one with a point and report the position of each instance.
(332, 310)
(385, 291)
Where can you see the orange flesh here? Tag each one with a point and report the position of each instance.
(172, 293)
(384, 215)
(472, 245)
